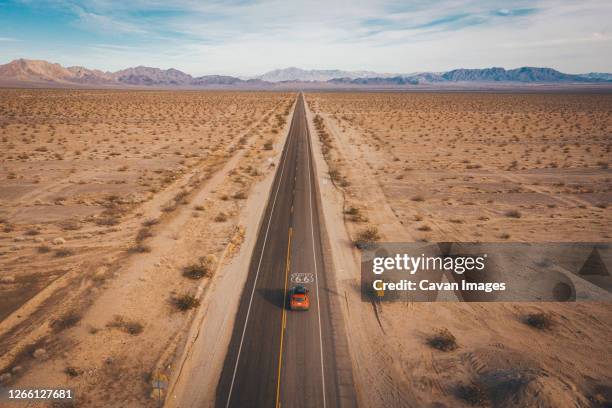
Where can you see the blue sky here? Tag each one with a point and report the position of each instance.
(247, 37)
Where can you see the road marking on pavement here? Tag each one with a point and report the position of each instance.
(246, 320)
(315, 262)
(284, 320)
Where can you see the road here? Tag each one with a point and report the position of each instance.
(279, 357)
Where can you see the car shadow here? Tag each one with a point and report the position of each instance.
(273, 296)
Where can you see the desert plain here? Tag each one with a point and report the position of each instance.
(117, 209)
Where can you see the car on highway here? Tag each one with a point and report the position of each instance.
(298, 298)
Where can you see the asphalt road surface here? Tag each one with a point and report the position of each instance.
(278, 357)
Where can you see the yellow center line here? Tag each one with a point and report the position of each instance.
(284, 318)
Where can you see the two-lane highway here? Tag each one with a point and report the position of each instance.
(279, 357)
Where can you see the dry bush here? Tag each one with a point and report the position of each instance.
(540, 321)
(43, 249)
(240, 195)
(63, 252)
(221, 217)
(186, 301)
(131, 327)
(143, 234)
(71, 371)
(443, 340)
(140, 249)
(202, 269)
(65, 321)
(473, 394)
(107, 221)
(70, 225)
(367, 237)
(150, 222)
(513, 214)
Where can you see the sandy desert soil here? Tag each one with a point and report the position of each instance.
(117, 208)
(468, 167)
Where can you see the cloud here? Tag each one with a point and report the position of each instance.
(246, 36)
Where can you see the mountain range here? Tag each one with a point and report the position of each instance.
(23, 72)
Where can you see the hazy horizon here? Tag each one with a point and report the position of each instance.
(247, 38)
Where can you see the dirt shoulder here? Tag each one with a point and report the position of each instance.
(203, 354)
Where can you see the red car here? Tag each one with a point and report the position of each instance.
(298, 298)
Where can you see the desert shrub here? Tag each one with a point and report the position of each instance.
(181, 196)
(513, 214)
(424, 228)
(418, 198)
(32, 231)
(221, 217)
(334, 175)
(140, 249)
(71, 372)
(203, 268)
(43, 249)
(70, 225)
(240, 195)
(367, 237)
(540, 321)
(352, 211)
(143, 234)
(107, 221)
(65, 321)
(473, 394)
(443, 340)
(268, 145)
(150, 222)
(63, 252)
(131, 327)
(186, 301)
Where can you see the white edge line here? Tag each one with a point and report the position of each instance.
(284, 158)
(314, 254)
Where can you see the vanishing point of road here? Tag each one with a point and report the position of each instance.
(277, 357)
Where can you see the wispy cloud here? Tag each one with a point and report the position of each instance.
(246, 36)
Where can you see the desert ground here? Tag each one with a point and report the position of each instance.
(116, 209)
(119, 209)
(468, 167)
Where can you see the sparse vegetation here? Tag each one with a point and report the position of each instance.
(66, 321)
(443, 340)
(473, 394)
(185, 302)
(367, 237)
(202, 269)
(131, 327)
(540, 321)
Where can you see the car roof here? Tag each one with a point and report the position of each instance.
(300, 290)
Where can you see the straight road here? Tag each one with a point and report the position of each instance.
(279, 357)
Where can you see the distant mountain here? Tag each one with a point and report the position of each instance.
(598, 75)
(396, 80)
(152, 76)
(46, 73)
(23, 72)
(320, 75)
(484, 76)
(524, 74)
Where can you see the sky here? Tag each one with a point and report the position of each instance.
(249, 37)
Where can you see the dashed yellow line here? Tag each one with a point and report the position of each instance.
(284, 318)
